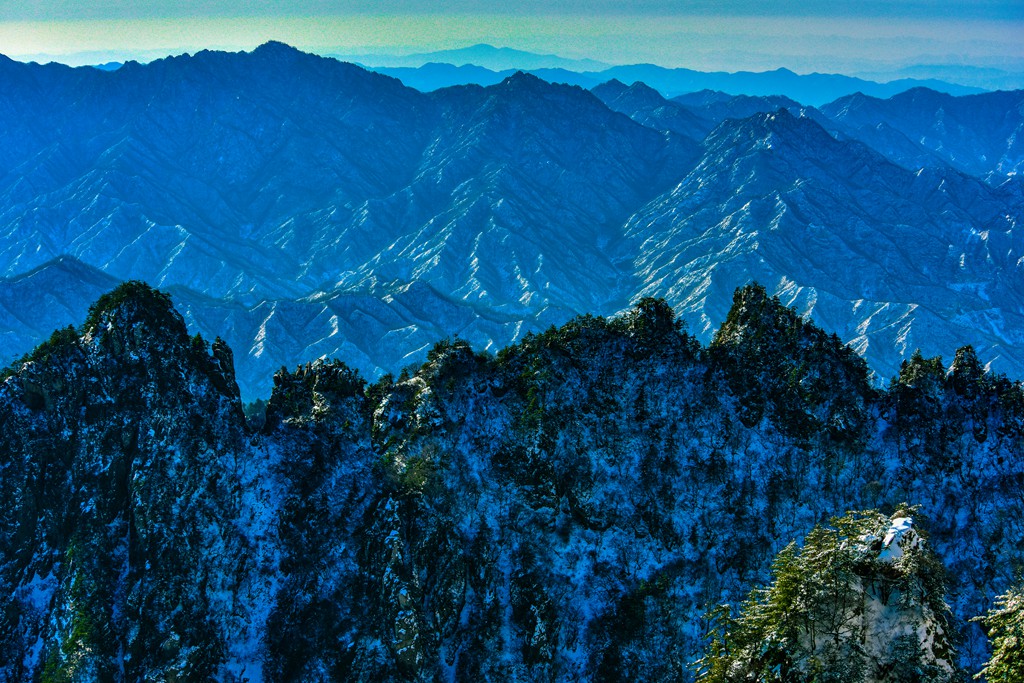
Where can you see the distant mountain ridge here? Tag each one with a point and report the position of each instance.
(483, 55)
(875, 245)
(975, 136)
(299, 206)
(813, 89)
(487, 65)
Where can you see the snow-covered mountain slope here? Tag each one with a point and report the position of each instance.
(518, 202)
(299, 206)
(646, 106)
(35, 303)
(563, 511)
(203, 171)
(718, 106)
(978, 134)
(891, 259)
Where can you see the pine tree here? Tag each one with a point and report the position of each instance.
(861, 602)
(1005, 624)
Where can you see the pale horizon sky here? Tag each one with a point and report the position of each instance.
(868, 36)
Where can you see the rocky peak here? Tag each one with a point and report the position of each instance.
(308, 394)
(223, 366)
(280, 60)
(131, 332)
(522, 81)
(528, 93)
(646, 94)
(895, 624)
(134, 314)
(809, 381)
(900, 539)
(274, 49)
(966, 373)
(755, 313)
(761, 126)
(609, 89)
(132, 303)
(636, 96)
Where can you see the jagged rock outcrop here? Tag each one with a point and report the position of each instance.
(121, 489)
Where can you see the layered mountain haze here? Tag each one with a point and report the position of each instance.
(48, 297)
(646, 106)
(298, 206)
(481, 55)
(478, 66)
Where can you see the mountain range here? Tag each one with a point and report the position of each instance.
(812, 89)
(487, 65)
(483, 55)
(298, 206)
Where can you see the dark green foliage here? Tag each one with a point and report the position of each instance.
(154, 306)
(450, 362)
(376, 392)
(415, 475)
(60, 342)
(643, 620)
(918, 391)
(198, 346)
(1005, 625)
(649, 329)
(652, 325)
(939, 419)
(310, 391)
(256, 414)
(967, 375)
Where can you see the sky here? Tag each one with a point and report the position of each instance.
(863, 36)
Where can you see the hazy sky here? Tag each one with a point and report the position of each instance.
(856, 36)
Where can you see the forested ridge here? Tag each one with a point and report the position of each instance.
(607, 500)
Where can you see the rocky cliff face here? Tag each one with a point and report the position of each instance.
(123, 470)
(564, 510)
